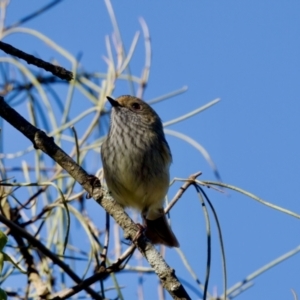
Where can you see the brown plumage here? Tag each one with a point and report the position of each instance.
(136, 159)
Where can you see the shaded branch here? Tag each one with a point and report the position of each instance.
(30, 59)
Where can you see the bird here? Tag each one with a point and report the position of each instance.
(136, 159)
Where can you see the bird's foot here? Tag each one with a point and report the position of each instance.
(95, 183)
(139, 233)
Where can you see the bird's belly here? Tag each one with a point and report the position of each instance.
(137, 188)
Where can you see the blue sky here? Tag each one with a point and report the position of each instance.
(248, 54)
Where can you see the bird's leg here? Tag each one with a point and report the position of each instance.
(95, 183)
(140, 231)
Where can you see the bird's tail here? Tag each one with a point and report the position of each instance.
(158, 231)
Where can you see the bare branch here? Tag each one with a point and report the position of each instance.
(190, 181)
(46, 144)
(30, 59)
(34, 14)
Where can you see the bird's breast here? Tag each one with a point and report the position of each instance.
(139, 177)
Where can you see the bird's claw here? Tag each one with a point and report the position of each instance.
(95, 183)
(139, 233)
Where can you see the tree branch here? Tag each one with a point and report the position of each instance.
(30, 59)
(46, 144)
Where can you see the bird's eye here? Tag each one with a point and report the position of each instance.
(136, 106)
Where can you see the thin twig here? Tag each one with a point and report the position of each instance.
(190, 270)
(106, 240)
(208, 231)
(148, 54)
(261, 270)
(234, 188)
(34, 14)
(190, 181)
(168, 95)
(221, 242)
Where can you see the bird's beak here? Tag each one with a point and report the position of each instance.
(113, 102)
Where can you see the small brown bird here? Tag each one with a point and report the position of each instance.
(136, 160)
